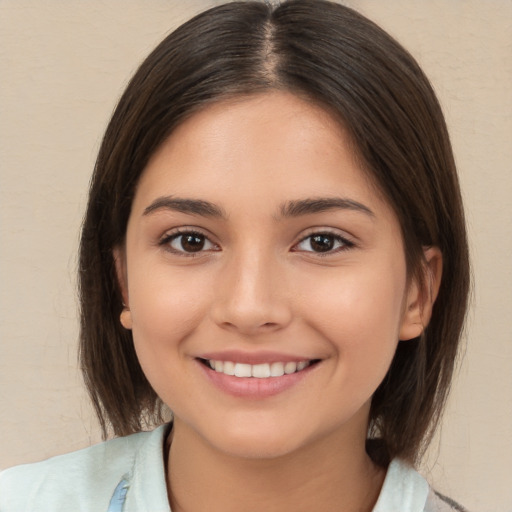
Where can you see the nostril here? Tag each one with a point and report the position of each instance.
(248, 316)
(249, 328)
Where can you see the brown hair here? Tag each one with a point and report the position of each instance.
(337, 58)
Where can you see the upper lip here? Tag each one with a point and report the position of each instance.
(252, 358)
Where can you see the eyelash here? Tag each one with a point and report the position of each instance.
(344, 243)
(171, 237)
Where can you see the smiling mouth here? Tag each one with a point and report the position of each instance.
(258, 371)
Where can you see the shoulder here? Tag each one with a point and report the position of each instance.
(436, 502)
(85, 477)
(406, 490)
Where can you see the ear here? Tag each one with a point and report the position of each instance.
(119, 256)
(422, 295)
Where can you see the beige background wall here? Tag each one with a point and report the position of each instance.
(63, 65)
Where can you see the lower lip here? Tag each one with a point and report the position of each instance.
(252, 387)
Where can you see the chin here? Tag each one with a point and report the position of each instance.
(258, 446)
(257, 439)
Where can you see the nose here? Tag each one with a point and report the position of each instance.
(251, 296)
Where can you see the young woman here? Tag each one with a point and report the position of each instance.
(274, 249)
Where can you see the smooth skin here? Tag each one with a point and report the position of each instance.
(248, 263)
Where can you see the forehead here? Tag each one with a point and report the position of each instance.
(258, 147)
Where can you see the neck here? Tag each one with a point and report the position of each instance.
(329, 474)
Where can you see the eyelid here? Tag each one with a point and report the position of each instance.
(347, 242)
(169, 235)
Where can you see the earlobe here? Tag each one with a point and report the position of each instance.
(422, 295)
(120, 264)
(126, 318)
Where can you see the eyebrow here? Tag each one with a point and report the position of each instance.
(191, 206)
(295, 208)
(322, 204)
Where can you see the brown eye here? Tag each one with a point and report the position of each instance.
(192, 243)
(323, 243)
(189, 243)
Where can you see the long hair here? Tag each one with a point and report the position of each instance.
(331, 56)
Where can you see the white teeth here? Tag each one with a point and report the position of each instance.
(277, 369)
(243, 370)
(229, 368)
(290, 368)
(259, 371)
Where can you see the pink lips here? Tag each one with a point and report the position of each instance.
(252, 387)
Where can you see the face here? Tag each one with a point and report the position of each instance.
(265, 278)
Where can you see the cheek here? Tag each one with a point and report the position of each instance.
(167, 305)
(359, 313)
